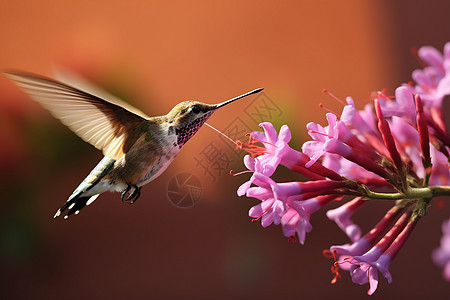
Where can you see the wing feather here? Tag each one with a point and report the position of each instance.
(105, 125)
(75, 80)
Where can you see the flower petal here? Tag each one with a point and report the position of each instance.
(285, 134)
(271, 133)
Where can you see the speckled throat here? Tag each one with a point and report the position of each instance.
(186, 132)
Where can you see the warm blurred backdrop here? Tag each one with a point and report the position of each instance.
(155, 54)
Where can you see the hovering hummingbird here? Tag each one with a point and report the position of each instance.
(136, 148)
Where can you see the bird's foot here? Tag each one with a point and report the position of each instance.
(132, 197)
(125, 191)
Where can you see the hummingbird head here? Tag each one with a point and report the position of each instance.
(187, 117)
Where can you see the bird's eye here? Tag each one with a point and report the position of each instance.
(195, 109)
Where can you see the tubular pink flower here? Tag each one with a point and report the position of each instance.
(368, 240)
(433, 82)
(296, 162)
(315, 149)
(339, 148)
(270, 210)
(335, 130)
(347, 137)
(364, 124)
(403, 106)
(316, 171)
(433, 58)
(342, 215)
(304, 171)
(277, 151)
(254, 165)
(356, 119)
(407, 135)
(276, 145)
(351, 170)
(384, 261)
(386, 241)
(363, 273)
(280, 204)
(281, 191)
(431, 93)
(322, 186)
(296, 219)
(364, 268)
(273, 196)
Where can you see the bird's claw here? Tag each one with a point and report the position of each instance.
(132, 197)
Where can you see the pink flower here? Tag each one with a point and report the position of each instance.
(362, 120)
(276, 146)
(315, 149)
(296, 219)
(403, 106)
(433, 82)
(363, 273)
(408, 136)
(351, 170)
(253, 164)
(337, 147)
(273, 196)
(269, 210)
(364, 268)
(360, 246)
(281, 203)
(342, 215)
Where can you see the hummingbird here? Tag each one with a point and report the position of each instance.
(136, 148)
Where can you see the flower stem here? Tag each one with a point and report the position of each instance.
(410, 193)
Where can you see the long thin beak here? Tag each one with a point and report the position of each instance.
(236, 98)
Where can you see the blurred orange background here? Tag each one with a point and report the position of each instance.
(155, 54)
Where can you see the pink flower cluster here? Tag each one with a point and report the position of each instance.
(396, 149)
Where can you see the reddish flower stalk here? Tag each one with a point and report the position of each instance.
(385, 131)
(424, 137)
(401, 238)
(298, 165)
(389, 237)
(336, 147)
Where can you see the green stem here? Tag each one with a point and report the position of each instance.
(411, 193)
(440, 190)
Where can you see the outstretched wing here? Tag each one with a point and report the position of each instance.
(107, 126)
(77, 81)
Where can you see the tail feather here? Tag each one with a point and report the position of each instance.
(83, 195)
(75, 205)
